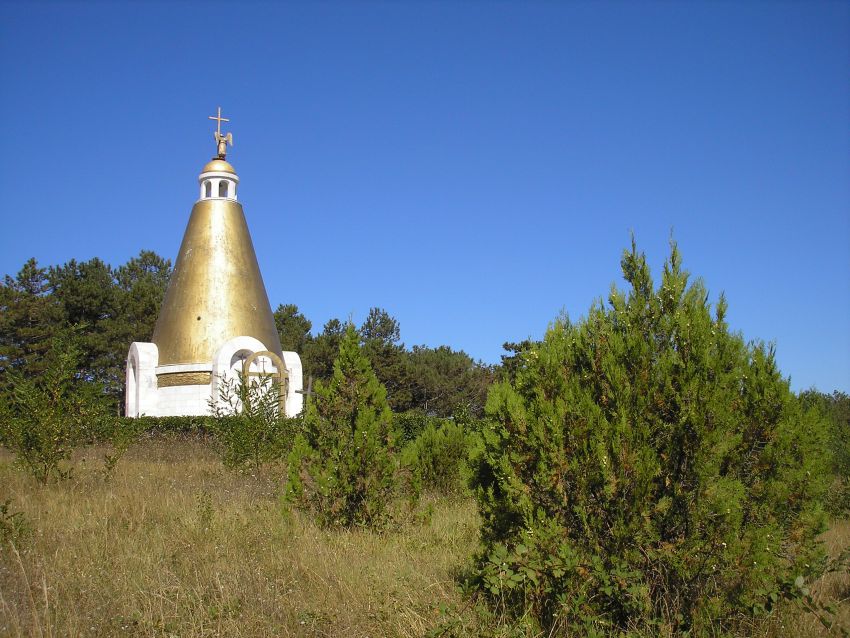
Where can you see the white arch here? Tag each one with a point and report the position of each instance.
(131, 389)
(223, 369)
(141, 389)
(294, 402)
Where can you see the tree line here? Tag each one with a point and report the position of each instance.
(107, 308)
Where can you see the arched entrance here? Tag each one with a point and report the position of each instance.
(256, 366)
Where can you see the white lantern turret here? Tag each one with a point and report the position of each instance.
(218, 180)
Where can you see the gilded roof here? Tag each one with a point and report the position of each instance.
(218, 166)
(216, 291)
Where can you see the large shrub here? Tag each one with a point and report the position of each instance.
(648, 471)
(343, 464)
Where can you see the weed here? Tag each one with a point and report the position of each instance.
(14, 526)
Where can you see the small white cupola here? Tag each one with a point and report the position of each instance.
(218, 180)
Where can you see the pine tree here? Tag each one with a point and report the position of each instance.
(29, 318)
(648, 469)
(293, 328)
(343, 465)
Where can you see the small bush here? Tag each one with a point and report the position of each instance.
(410, 424)
(119, 435)
(249, 427)
(648, 471)
(343, 463)
(48, 415)
(439, 455)
(163, 425)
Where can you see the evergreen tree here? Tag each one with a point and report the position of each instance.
(293, 328)
(29, 317)
(511, 363)
(836, 407)
(343, 464)
(381, 335)
(319, 354)
(445, 380)
(86, 294)
(105, 308)
(648, 470)
(140, 286)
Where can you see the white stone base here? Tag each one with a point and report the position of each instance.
(184, 400)
(144, 397)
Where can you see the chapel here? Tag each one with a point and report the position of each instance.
(215, 327)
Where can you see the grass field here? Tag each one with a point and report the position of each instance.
(175, 545)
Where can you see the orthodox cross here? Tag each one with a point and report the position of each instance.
(221, 141)
(220, 120)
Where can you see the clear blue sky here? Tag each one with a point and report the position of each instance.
(473, 168)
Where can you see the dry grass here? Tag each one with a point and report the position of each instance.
(831, 588)
(174, 545)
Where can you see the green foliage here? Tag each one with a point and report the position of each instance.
(381, 335)
(836, 408)
(164, 426)
(647, 469)
(439, 455)
(410, 424)
(249, 427)
(293, 328)
(445, 380)
(46, 416)
(86, 296)
(434, 381)
(514, 362)
(107, 308)
(119, 435)
(380, 327)
(343, 465)
(140, 286)
(319, 354)
(28, 318)
(14, 526)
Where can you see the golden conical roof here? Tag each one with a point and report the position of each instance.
(216, 291)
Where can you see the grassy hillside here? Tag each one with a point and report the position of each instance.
(174, 545)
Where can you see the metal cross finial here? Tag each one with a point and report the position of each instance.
(308, 392)
(221, 141)
(219, 118)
